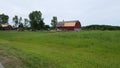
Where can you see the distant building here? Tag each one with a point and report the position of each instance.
(5, 26)
(68, 26)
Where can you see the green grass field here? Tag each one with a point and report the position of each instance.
(85, 49)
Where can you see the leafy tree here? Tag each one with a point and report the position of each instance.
(54, 22)
(3, 18)
(101, 27)
(36, 20)
(47, 27)
(20, 21)
(26, 22)
(15, 20)
(20, 25)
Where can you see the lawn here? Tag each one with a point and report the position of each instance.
(85, 49)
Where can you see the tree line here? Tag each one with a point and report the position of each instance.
(101, 27)
(35, 21)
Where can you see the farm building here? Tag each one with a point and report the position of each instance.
(68, 26)
(5, 27)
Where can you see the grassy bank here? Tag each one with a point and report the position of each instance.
(94, 49)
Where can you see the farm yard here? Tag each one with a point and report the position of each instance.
(85, 49)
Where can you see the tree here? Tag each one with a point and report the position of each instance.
(3, 18)
(15, 20)
(36, 20)
(101, 27)
(26, 22)
(47, 27)
(20, 25)
(20, 21)
(54, 22)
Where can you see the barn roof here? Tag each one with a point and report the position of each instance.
(66, 23)
(69, 24)
(4, 25)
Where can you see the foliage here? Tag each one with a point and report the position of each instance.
(0, 27)
(101, 27)
(54, 22)
(20, 20)
(36, 20)
(85, 49)
(3, 18)
(20, 25)
(16, 20)
(26, 23)
(47, 27)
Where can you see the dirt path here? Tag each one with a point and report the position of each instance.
(1, 66)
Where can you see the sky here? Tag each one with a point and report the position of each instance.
(88, 12)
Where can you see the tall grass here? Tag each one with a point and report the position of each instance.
(94, 49)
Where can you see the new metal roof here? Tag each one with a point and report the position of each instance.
(66, 23)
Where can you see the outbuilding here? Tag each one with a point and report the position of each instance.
(68, 26)
(5, 26)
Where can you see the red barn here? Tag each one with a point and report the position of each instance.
(68, 26)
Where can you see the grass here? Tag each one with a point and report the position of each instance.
(86, 49)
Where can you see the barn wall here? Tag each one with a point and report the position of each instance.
(66, 28)
(77, 25)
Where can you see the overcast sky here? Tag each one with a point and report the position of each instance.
(87, 11)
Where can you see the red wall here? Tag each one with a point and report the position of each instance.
(65, 28)
(77, 25)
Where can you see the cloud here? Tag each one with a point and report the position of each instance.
(87, 11)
